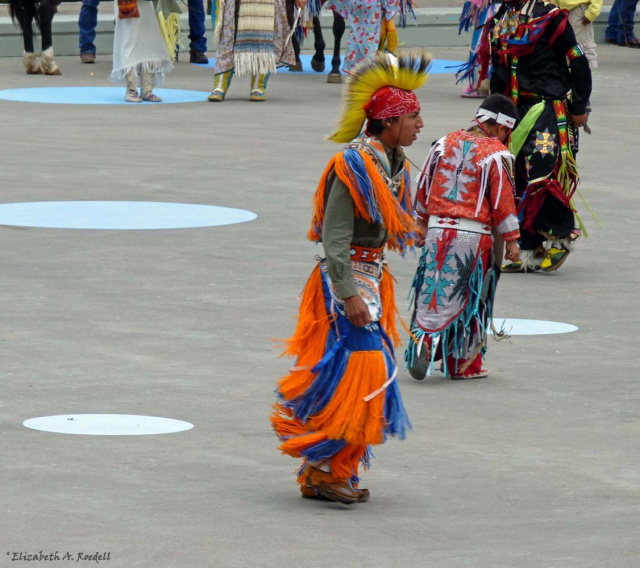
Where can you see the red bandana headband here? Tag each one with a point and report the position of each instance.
(389, 102)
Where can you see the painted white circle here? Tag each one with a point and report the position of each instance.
(532, 327)
(107, 424)
(119, 215)
(95, 96)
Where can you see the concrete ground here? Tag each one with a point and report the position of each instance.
(535, 467)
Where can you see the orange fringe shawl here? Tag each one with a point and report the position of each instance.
(398, 221)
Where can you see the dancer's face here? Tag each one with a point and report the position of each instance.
(405, 129)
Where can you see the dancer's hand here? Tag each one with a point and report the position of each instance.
(421, 230)
(301, 4)
(579, 120)
(586, 21)
(357, 311)
(513, 251)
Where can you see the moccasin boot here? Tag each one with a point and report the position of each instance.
(221, 83)
(419, 366)
(259, 88)
(554, 259)
(146, 88)
(308, 492)
(332, 488)
(48, 65)
(132, 95)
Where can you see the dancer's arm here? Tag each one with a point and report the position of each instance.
(337, 236)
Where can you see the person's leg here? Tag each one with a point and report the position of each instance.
(221, 82)
(331, 487)
(472, 87)
(259, 87)
(556, 221)
(146, 88)
(627, 12)
(468, 362)
(198, 42)
(613, 24)
(132, 95)
(87, 23)
(472, 370)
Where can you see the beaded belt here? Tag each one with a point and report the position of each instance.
(459, 224)
(365, 254)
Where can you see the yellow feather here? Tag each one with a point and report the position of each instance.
(410, 73)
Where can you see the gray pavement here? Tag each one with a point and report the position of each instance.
(535, 467)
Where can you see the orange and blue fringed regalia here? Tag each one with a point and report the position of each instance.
(341, 396)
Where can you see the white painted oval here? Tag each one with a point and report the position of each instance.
(119, 215)
(96, 96)
(532, 327)
(107, 424)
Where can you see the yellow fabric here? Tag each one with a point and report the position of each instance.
(170, 30)
(593, 10)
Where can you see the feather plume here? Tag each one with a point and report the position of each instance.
(409, 71)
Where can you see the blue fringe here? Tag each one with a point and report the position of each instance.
(314, 7)
(355, 162)
(406, 204)
(465, 18)
(323, 450)
(406, 7)
(454, 339)
(394, 411)
(324, 386)
(366, 458)
(467, 71)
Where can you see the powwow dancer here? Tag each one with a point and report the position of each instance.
(464, 193)
(372, 27)
(537, 62)
(341, 396)
(477, 14)
(139, 50)
(252, 38)
(40, 12)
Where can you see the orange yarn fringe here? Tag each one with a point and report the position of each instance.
(346, 462)
(389, 307)
(347, 416)
(396, 221)
(309, 340)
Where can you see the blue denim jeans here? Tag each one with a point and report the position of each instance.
(87, 24)
(197, 17)
(620, 25)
